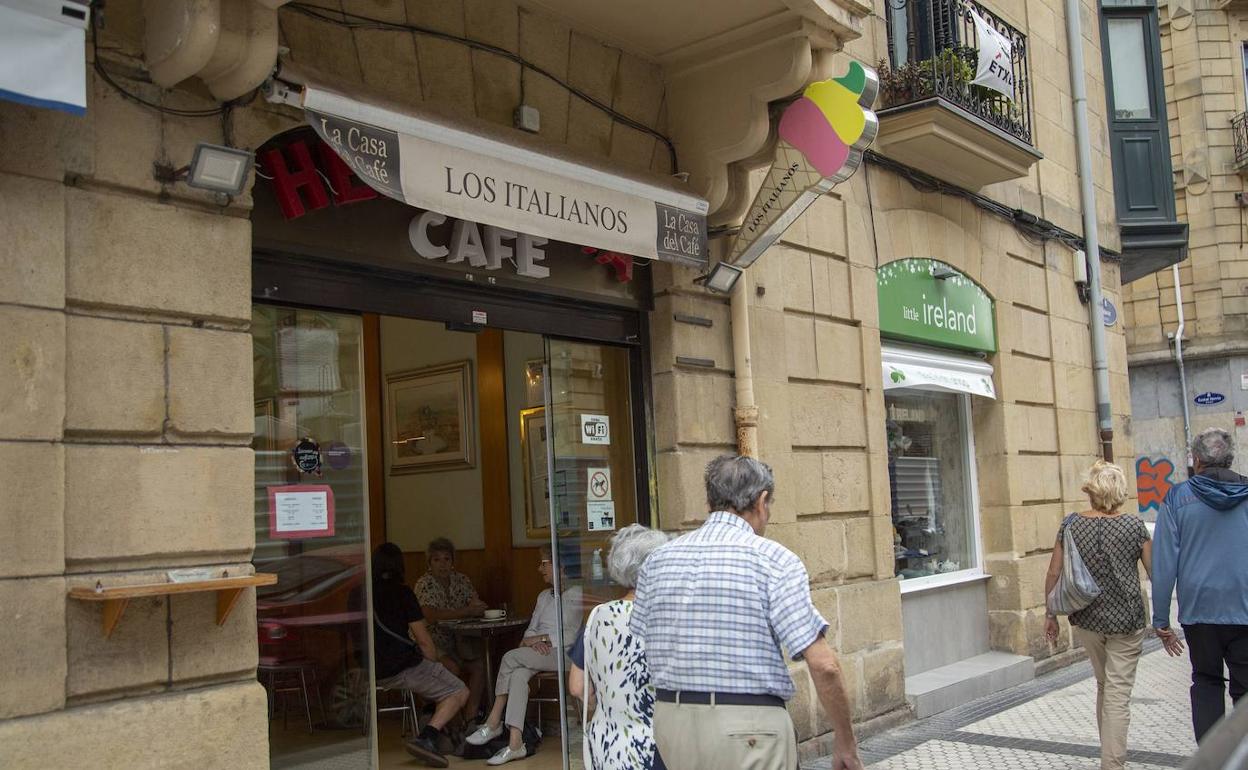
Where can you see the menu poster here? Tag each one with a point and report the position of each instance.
(301, 511)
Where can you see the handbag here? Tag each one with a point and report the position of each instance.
(1075, 587)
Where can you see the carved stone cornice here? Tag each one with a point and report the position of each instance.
(719, 96)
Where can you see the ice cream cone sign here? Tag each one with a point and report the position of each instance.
(822, 136)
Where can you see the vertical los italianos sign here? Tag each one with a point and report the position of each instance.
(929, 302)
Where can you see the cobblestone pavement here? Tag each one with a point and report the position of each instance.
(1046, 724)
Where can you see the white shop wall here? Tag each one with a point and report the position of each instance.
(422, 506)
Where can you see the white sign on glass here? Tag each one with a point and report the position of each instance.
(597, 483)
(595, 429)
(302, 511)
(600, 515)
(996, 52)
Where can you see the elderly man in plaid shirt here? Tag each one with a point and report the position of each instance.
(713, 609)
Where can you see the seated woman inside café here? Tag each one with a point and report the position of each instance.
(536, 653)
(446, 594)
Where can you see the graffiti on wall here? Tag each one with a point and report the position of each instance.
(1152, 478)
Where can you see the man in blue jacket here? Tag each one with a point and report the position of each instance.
(1201, 543)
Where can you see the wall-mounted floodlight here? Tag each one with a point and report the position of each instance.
(722, 278)
(941, 272)
(219, 169)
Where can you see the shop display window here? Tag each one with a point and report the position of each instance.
(931, 483)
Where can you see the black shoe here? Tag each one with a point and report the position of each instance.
(424, 750)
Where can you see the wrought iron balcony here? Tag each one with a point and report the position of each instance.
(933, 54)
(1239, 128)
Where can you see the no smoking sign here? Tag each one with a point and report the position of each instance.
(598, 484)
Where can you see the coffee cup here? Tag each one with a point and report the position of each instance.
(495, 614)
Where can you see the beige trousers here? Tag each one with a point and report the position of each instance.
(514, 673)
(697, 737)
(1113, 657)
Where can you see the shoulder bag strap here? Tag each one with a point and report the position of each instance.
(406, 640)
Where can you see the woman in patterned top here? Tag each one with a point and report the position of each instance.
(1111, 628)
(609, 671)
(445, 594)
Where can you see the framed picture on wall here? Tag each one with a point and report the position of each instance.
(536, 488)
(430, 422)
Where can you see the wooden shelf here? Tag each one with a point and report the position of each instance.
(116, 599)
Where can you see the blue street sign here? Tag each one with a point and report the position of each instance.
(1111, 312)
(1209, 398)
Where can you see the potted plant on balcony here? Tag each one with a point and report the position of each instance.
(949, 74)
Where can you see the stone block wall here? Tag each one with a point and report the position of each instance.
(1204, 84)
(1201, 49)
(124, 436)
(125, 425)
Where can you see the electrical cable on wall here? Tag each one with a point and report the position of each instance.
(222, 109)
(358, 21)
(1030, 226)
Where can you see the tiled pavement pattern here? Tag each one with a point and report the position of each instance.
(1046, 724)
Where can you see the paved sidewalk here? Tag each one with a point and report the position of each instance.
(1046, 724)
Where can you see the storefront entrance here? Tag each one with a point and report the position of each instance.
(940, 334)
(373, 428)
(473, 396)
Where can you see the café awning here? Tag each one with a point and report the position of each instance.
(481, 172)
(932, 370)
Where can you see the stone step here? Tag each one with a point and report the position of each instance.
(941, 689)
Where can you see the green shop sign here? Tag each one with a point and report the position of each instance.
(922, 300)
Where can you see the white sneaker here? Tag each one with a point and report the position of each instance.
(506, 755)
(483, 734)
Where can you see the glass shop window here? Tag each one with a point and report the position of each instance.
(930, 483)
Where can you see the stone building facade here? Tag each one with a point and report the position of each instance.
(1203, 59)
(125, 426)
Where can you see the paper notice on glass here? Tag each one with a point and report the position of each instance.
(600, 515)
(301, 511)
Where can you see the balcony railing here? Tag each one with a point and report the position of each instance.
(933, 52)
(1239, 129)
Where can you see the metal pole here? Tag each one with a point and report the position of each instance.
(555, 566)
(1087, 200)
(1178, 359)
(745, 416)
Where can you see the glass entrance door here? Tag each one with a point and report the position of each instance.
(312, 532)
(593, 488)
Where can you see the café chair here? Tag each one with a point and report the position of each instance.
(285, 677)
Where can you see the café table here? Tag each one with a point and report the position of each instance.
(487, 631)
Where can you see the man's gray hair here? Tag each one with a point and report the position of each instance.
(1214, 448)
(734, 482)
(629, 549)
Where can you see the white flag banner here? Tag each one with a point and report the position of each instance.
(996, 53)
(43, 53)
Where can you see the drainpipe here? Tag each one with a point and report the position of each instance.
(1087, 199)
(746, 414)
(1178, 360)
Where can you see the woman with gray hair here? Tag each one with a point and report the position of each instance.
(609, 672)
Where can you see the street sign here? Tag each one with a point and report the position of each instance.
(1209, 399)
(1110, 312)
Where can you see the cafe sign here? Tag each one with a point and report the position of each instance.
(929, 302)
(433, 165)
